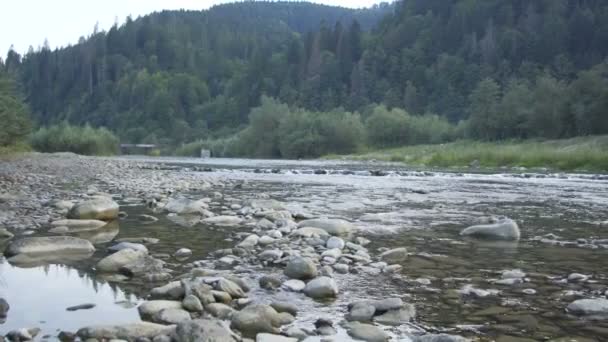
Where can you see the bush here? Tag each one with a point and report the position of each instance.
(84, 140)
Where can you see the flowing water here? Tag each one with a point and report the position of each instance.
(393, 207)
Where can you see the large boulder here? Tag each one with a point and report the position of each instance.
(152, 307)
(100, 208)
(321, 287)
(129, 332)
(300, 268)
(331, 226)
(506, 229)
(114, 262)
(51, 247)
(203, 330)
(255, 319)
(596, 306)
(184, 206)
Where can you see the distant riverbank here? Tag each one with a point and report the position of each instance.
(581, 154)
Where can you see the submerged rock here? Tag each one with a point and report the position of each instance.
(440, 338)
(130, 331)
(256, 318)
(331, 226)
(366, 332)
(184, 206)
(596, 306)
(503, 230)
(223, 220)
(101, 208)
(75, 225)
(394, 256)
(128, 245)
(4, 307)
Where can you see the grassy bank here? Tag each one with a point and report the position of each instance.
(583, 153)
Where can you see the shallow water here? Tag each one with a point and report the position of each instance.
(421, 211)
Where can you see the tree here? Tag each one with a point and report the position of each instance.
(484, 110)
(14, 114)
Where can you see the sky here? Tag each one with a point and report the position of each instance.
(25, 23)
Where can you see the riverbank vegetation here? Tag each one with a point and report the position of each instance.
(84, 140)
(582, 153)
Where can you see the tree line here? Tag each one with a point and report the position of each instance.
(480, 69)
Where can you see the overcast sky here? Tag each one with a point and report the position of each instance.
(29, 22)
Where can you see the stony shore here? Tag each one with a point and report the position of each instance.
(275, 249)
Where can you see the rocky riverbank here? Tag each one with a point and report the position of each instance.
(282, 258)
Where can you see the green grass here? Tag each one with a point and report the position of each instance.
(13, 150)
(583, 154)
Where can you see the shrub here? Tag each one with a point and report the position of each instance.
(81, 140)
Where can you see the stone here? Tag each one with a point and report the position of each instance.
(221, 296)
(577, 277)
(184, 206)
(264, 337)
(270, 255)
(387, 304)
(79, 225)
(341, 268)
(146, 218)
(268, 282)
(321, 287)
(397, 317)
(223, 221)
(130, 331)
(294, 285)
(249, 242)
(100, 208)
(513, 274)
(366, 332)
(203, 330)
(266, 240)
(285, 307)
(219, 310)
(173, 290)
(53, 247)
(595, 306)
(128, 245)
(86, 306)
(182, 253)
(361, 312)
(331, 226)
(308, 232)
(22, 334)
(5, 234)
(394, 256)
(230, 287)
(192, 303)
(506, 229)
(114, 262)
(300, 268)
(335, 242)
(4, 307)
(255, 319)
(150, 308)
(171, 316)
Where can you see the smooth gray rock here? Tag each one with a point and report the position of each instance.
(192, 303)
(229, 287)
(383, 305)
(130, 331)
(361, 312)
(294, 285)
(300, 268)
(440, 338)
(4, 307)
(321, 287)
(223, 220)
(285, 307)
(183, 253)
(171, 316)
(203, 330)
(219, 310)
(128, 245)
(366, 332)
(596, 306)
(50, 245)
(79, 225)
(335, 242)
(152, 307)
(114, 262)
(173, 290)
(398, 316)
(269, 282)
(101, 208)
(331, 226)
(270, 255)
(506, 229)
(394, 256)
(255, 319)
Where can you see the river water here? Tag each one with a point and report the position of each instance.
(393, 207)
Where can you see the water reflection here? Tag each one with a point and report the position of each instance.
(39, 296)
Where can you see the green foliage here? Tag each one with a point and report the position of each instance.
(14, 116)
(81, 140)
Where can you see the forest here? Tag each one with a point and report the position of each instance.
(295, 79)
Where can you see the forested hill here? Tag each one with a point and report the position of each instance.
(504, 68)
